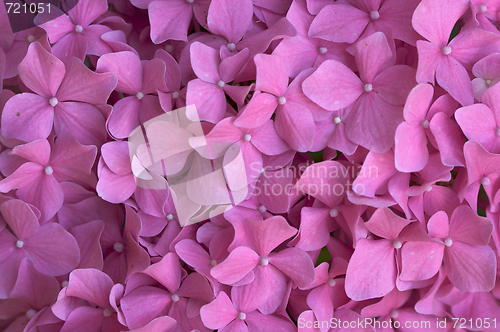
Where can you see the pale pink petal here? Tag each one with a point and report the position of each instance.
(368, 64)
(169, 20)
(453, 77)
(205, 62)
(428, 58)
(257, 111)
(231, 19)
(20, 218)
(466, 226)
(438, 225)
(296, 264)
(410, 152)
(218, 313)
(91, 285)
(236, 266)
(421, 260)
(267, 234)
(209, 99)
(272, 76)
(126, 66)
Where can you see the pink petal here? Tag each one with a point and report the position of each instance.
(421, 260)
(410, 152)
(144, 304)
(126, 66)
(116, 156)
(86, 11)
(115, 188)
(205, 61)
(295, 124)
(258, 110)
(82, 84)
(470, 268)
(91, 285)
(169, 20)
(83, 319)
(125, 117)
(230, 19)
(296, 264)
(218, 313)
(41, 71)
(267, 234)
(209, 99)
(395, 94)
(231, 66)
(434, 20)
(88, 237)
(373, 266)
(418, 103)
(20, 218)
(471, 45)
(236, 266)
(428, 58)
(339, 23)
(466, 226)
(34, 120)
(478, 124)
(333, 86)
(37, 151)
(386, 224)
(438, 225)
(272, 75)
(449, 138)
(368, 64)
(453, 77)
(71, 45)
(167, 272)
(263, 135)
(53, 250)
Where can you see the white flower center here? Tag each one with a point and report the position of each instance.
(139, 95)
(49, 170)
(485, 181)
(231, 47)
(394, 314)
(425, 124)
(170, 217)
(78, 28)
(247, 137)
(107, 312)
(448, 242)
(213, 262)
(65, 283)
(264, 261)
(337, 120)
(322, 50)
(242, 316)
(482, 8)
(31, 313)
(397, 244)
(175, 297)
(221, 84)
(368, 87)
(446, 50)
(374, 15)
(488, 82)
(281, 100)
(118, 247)
(53, 101)
(262, 209)
(175, 95)
(169, 48)
(334, 212)
(30, 38)
(332, 282)
(20, 243)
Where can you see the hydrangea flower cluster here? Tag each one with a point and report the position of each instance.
(251, 165)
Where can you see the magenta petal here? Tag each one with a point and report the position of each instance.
(449, 138)
(418, 103)
(91, 285)
(144, 304)
(37, 151)
(231, 66)
(167, 272)
(410, 153)
(452, 76)
(466, 226)
(258, 111)
(125, 117)
(478, 123)
(53, 250)
(259, 323)
(372, 265)
(428, 58)
(84, 319)
(205, 61)
(160, 324)
(395, 94)
(126, 66)
(296, 264)
(236, 266)
(169, 20)
(267, 234)
(27, 117)
(339, 23)
(434, 20)
(231, 19)
(372, 123)
(386, 224)
(82, 84)
(272, 76)
(295, 124)
(20, 218)
(438, 225)
(209, 99)
(470, 268)
(86, 122)
(115, 188)
(421, 260)
(88, 237)
(218, 313)
(116, 156)
(368, 64)
(333, 86)
(41, 71)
